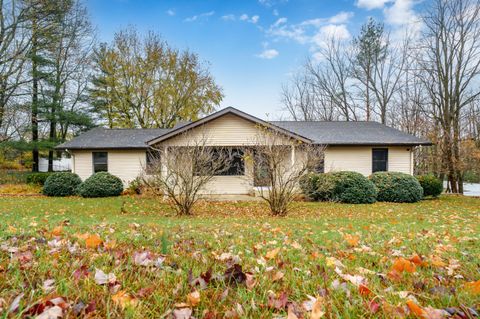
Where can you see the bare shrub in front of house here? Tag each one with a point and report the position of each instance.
(280, 163)
(181, 173)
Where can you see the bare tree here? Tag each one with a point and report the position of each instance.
(14, 44)
(450, 69)
(180, 173)
(280, 163)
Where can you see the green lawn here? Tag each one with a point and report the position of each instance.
(342, 255)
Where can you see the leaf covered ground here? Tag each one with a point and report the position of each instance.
(129, 257)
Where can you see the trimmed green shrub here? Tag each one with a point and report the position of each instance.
(397, 187)
(308, 185)
(38, 178)
(353, 188)
(61, 184)
(101, 184)
(432, 186)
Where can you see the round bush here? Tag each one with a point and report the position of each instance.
(397, 187)
(353, 188)
(61, 184)
(318, 186)
(432, 186)
(101, 184)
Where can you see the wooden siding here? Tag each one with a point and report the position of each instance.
(125, 164)
(359, 159)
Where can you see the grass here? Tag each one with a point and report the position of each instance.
(315, 248)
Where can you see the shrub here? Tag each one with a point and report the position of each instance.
(101, 184)
(61, 184)
(308, 185)
(38, 178)
(353, 188)
(397, 187)
(432, 186)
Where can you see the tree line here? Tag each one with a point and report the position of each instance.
(57, 80)
(427, 85)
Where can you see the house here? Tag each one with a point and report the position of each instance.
(364, 147)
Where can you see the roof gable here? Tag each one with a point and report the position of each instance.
(221, 113)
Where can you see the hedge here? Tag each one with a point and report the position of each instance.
(38, 178)
(432, 186)
(397, 187)
(353, 188)
(101, 184)
(345, 187)
(61, 184)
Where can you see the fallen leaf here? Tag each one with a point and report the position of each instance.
(278, 276)
(184, 313)
(415, 309)
(352, 240)
(124, 299)
(318, 309)
(473, 287)
(93, 241)
(272, 253)
(193, 298)
(54, 312)
(102, 278)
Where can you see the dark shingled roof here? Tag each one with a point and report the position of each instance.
(350, 133)
(327, 133)
(103, 138)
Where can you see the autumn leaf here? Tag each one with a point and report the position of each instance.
(401, 264)
(124, 299)
(415, 309)
(318, 309)
(473, 286)
(193, 298)
(416, 259)
(57, 231)
(93, 241)
(277, 276)
(364, 290)
(102, 278)
(272, 253)
(352, 240)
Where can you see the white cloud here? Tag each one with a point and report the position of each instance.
(275, 12)
(268, 54)
(270, 3)
(330, 31)
(171, 12)
(371, 4)
(401, 13)
(341, 17)
(253, 19)
(280, 21)
(228, 17)
(200, 16)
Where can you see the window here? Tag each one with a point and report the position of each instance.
(261, 176)
(153, 159)
(237, 163)
(100, 162)
(232, 156)
(379, 160)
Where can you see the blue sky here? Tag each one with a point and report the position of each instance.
(252, 46)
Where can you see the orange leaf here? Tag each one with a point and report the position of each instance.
(364, 290)
(193, 298)
(57, 231)
(401, 264)
(473, 286)
(272, 253)
(317, 309)
(123, 299)
(352, 240)
(93, 241)
(416, 309)
(416, 259)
